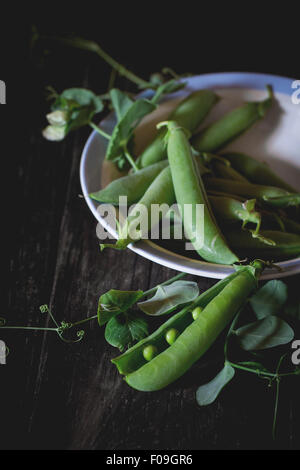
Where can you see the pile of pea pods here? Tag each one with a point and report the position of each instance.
(249, 213)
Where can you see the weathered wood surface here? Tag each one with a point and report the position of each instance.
(61, 396)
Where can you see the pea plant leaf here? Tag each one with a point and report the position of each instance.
(270, 299)
(122, 331)
(120, 102)
(114, 302)
(265, 333)
(123, 130)
(207, 393)
(168, 298)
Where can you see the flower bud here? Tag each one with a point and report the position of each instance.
(57, 118)
(54, 133)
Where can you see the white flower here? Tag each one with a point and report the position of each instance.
(57, 118)
(54, 133)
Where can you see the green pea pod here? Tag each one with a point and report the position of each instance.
(230, 210)
(133, 185)
(189, 190)
(189, 113)
(291, 225)
(133, 358)
(288, 200)
(255, 171)
(230, 126)
(159, 192)
(245, 189)
(196, 338)
(220, 166)
(285, 245)
(227, 172)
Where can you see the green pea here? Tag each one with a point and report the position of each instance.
(149, 352)
(196, 312)
(171, 335)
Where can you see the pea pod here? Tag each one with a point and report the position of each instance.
(189, 113)
(159, 192)
(189, 190)
(133, 358)
(230, 126)
(227, 172)
(197, 337)
(133, 185)
(230, 210)
(265, 193)
(286, 245)
(256, 171)
(221, 167)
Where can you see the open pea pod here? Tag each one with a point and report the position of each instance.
(173, 361)
(231, 125)
(255, 171)
(189, 113)
(133, 358)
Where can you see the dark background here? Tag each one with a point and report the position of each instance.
(60, 396)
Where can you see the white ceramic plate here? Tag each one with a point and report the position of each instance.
(275, 139)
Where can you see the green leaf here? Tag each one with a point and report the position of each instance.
(266, 333)
(168, 298)
(121, 102)
(123, 330)
(270, 299)
(114, 302)
(83, 97)
(206, 394)
(124, 129)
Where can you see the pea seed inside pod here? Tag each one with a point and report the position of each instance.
(149, 352)
(171, 335)
(196, 312)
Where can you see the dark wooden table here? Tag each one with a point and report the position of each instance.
(69, 396)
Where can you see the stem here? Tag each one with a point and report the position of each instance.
(169, 281)
(234, 322)
(238, 366)
(277, 395)
(84, 321)
(130, 159)
(94, 47)
(27, 328)
(100, 131)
